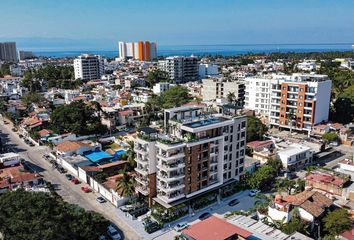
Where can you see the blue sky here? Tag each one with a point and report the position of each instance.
(101, 23)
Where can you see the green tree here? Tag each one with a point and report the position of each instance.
(330, 137)
(32, 216)
(32, 97)
(337, 222)
(156, 76)
(5, 69)
(275, 164)
(285, 185)
(263, 178)
(131, 155)
(255, 129)
(77, 117)
(125, 185)
(3, 107)
(174, 97)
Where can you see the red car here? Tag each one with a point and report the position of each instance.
(85, 189)
(75, 181)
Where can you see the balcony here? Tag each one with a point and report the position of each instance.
(170, 188)
(171, 167)
(168, 177)
(140, 150)
(170, 197)
(142, 171)
(141, 181)
(142, 190)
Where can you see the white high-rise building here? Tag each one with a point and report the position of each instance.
(8, 51)
(23, 55)
(180, 69)
(88, 67)
(297, 101)
(196, 154)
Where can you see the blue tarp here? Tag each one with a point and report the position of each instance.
(119, 153)
(98, 156)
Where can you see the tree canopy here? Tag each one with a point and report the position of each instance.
(337, 222)
(76, 117)
(32, 216)
(156, 76)
(330, 136)
(255, 129)
(56, 76)
(173, 97)
(263, 177)
(343, 110)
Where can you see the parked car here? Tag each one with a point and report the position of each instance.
(253, 192)
(233, 202)
(100, 200)
(75, 181)
(151, 226)
(204, 216)
(86, 189)
(6, 122)
(69, 176)
(14, 129)
(61, 169)
(31, 144)
(180, 226)
(113, 233)
(20, 135)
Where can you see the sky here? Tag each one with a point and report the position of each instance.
(100, 24)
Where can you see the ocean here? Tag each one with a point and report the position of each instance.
(205, 50)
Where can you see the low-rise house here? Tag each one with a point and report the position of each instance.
(214, 228)
(69, 148)
(295, 156)
(310, 205)
(262, 150)
(45, 134)
(12, 178)
(346, 136)
(329, 182)
(9, 159)
(320, 129)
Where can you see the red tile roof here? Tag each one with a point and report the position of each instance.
(45, 132)
(67, 146)
(214, 228)
(259, 144)
(348, 235)
(126, 112)
(326, 179)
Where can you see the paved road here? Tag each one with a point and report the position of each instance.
(70, 192)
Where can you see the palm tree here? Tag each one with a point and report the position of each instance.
(125, 185)
(290, 120)
(230, 97)
(131, 155)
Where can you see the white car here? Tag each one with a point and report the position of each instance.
(113, 233)
(180, 226)
(253, 192)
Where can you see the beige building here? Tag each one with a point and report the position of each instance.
(219, 88)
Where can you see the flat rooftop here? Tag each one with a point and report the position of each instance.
(205, 122)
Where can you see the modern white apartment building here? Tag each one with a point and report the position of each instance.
(8, 51)
(219, 88)
(196, 154)
(143, 51)
(295, 156)
(297, 101)
(207, 70)
(88, 67)
(257, 94)
(180, 69)
(161, 87)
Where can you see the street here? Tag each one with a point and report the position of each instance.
(70, 192)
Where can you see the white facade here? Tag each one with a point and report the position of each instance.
(207, 70)
(180, 69)
(9, 159)
(161, 87)
(295, 156)
(88, 67)
(257, 95)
